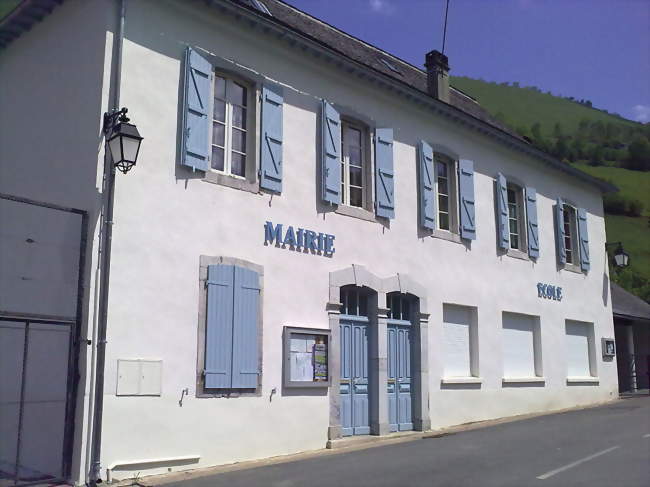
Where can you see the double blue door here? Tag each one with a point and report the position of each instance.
(399, 377)
(354, 378)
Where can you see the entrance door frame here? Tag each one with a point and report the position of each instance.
(74, 376)
(358, 275)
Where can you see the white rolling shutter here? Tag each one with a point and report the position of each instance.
(577, 344)
(518, 345)
(457, 343)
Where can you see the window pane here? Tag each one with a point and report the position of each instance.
(354, 155)
(238, 140)
(512, 198)
(355, 176)
(238, 94)
(353, 137)
(442, 169)
(443, 203)
(363, 305)
(443, 186)
(352, 302)
(238, 164)
(219, 110)
(217, 158)
(444, 221)
(238, 116)
(219, 87)
(512, 209)
(356, 197)
(218, 133)
(406, 309)
(514, 242)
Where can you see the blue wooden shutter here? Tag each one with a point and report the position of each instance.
(584, 239)
(245, 365)
(384, 173)
(559, 230)
(502, 212)
(271, 152)
(196, 122)
(331, 157)
(426, 182)
(467, 202)
(531, 218)
(218, 333)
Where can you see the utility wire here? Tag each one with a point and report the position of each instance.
(444, 32)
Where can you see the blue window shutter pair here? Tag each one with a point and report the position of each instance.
(533, 227)
(467, 201)
(195, 140)
(331, 154)
(502, 212)
(384, 173)
(585, 263)
(559, 230)
(231, 349)
(426, 184)
(195, 144)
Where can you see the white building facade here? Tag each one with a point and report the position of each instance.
(449, 272)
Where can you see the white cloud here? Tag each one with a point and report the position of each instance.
(381, 6)
(641, 113)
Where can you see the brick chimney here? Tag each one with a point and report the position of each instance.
(437, 66)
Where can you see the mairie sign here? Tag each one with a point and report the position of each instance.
(549, 292)
(301, 239)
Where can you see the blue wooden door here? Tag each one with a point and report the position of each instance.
(354, 378)
(399, 377)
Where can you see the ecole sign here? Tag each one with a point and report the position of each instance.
(301, 239)
(549, 292)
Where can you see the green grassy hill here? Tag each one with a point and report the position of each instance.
(595, 142)
(527, 105)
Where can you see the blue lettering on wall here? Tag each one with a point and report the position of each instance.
(301, 239)
(549, 292)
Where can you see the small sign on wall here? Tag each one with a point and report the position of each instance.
(609, 347)
(306, 357)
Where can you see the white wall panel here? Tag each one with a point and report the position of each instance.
(457, 322)
(518, 345)
(578, 338)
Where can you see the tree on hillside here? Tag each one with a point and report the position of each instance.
(578, 148)
(557, 130)
(536, 131)
(639, 154)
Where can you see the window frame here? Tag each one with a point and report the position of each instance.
(367, 164)
(200, 390)
(250, 181)
(592, 361)
(452, 192)
(538, 362)
(521, 219)
(474, 376)
(573, 236)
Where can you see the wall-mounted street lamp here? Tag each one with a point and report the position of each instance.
(621, 257)
(123, 139)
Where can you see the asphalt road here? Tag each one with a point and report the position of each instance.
(607, 446)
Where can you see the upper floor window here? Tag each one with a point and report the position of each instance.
(230, 126)
(354, 164)
(354, 301)
(399, 306)
(570, 225)
(516, 217)
(445, 170)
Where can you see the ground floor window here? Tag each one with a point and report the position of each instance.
(521, 346)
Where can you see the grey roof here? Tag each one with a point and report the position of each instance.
(627, 305)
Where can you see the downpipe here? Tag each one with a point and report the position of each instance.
(105, 265)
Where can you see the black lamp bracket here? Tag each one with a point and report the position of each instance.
(113, 117)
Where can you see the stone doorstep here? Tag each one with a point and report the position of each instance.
(339, 446)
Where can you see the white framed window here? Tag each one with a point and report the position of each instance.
(446, 191)
(460, 340)
(355, 164)
(231, 106)
(581, 350)
(570, 226)
(522, 351)
(516, 217)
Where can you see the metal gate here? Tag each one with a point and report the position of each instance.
(41, 269)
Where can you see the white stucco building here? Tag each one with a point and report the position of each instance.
(291, 176)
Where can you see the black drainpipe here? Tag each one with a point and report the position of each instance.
(105, 266)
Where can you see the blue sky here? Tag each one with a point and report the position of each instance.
(593, 49)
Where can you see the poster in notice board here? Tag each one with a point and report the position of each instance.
(306, 357)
